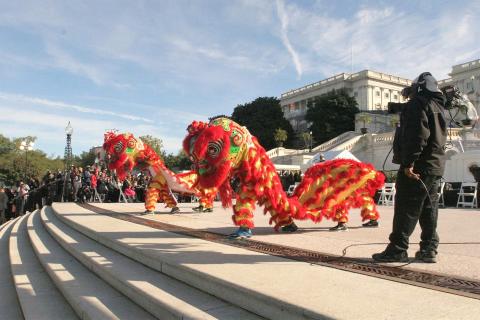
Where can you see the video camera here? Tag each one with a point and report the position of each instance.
(452, 95)
(395, 107)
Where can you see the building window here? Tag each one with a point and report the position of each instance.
(355, 94)
(386, 94)
(395, 97)
(377, 93)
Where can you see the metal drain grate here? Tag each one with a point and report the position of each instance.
(439, 282)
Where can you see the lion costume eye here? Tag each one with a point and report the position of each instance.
(214, 148)
(131, 143)
(118, 147)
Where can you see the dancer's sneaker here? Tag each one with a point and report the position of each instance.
(148, 212)
(198, 209)
(241, 233)
(175, 210)
(386, 256)
(371, 224)
(339, 227)
(428, 256)
(208, 210)
(292, 227)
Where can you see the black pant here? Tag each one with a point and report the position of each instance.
(412, 204)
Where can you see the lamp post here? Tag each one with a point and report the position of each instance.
(68, 146)
(27, 146)
(67, 158)
(311, 141)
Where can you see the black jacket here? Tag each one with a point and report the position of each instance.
(421, 137)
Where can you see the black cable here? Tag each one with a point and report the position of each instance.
(385, 161)
(344, 251)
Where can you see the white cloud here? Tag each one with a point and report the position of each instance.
(15, 98)
(370, 16)
(49, 130)
(65, 61)
(385, 38)
(282, 15)
(23, 115)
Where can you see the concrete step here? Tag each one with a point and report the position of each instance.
(271, 286)
(9, 305)
(164, 297)
(214, 268)
(38, 296)
(89, 296)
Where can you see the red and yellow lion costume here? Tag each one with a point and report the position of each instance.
(124, 152)
(222, 149)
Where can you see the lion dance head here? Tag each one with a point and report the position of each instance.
(216, 148)
(121, 152)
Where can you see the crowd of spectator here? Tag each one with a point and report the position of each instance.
(289, 178)
(89, 184)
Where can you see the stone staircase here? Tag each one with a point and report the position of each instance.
(49, 270)
(67, 262)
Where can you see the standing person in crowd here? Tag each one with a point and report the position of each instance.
(86, 177)
(418, 148)
(46, 178)
(21, 197)
(10, 204)
(3, 205)
(61, 180)
(93, 182)
(77, 183)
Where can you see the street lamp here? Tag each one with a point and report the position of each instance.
(68, 147)
(67, 158)
(311, 140)
(27, 146)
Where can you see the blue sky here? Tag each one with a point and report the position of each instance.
(152, 67)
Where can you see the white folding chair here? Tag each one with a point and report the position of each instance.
(387, 195)
(467, 196)
(441, 200)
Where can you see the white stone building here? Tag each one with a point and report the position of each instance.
(372, 90)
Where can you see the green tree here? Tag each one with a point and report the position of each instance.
(331, 114)
(15, 163)
(262, 117)
(280, 137)
(85, 159)
(155, 143)
(177, 162)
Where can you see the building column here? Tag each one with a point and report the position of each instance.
(369, 97)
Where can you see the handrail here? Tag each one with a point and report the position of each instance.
(335, 141)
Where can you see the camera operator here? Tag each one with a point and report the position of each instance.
(418, 148)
